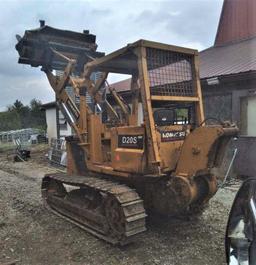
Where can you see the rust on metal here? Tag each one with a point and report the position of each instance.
(106, 209)
(156, 146)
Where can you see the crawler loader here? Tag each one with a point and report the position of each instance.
(149, 152)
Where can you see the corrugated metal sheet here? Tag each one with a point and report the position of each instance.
(171, 75)
(230, 59)
(218, 61)
(123, 85)
(237, 21)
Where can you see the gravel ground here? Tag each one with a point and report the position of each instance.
(30, 234)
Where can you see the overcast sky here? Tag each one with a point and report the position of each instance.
(190, 23)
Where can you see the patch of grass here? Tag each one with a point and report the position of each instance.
(4, 147)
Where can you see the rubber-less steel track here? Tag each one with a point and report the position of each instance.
(106, 209)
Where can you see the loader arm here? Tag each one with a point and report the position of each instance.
(70, 111)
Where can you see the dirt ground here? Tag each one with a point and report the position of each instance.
(29, 234)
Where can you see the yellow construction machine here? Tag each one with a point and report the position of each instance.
(151, 153)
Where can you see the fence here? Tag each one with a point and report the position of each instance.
(57, 153)
(23, 134)
(26, 138)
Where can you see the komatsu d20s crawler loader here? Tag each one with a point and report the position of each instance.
(150, 152)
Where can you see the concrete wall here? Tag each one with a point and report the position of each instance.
(226, 101)
(218, 106)
(244, 164)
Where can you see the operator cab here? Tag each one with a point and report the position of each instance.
(173, 116)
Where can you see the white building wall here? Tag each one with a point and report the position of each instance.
(64, 131)
(140, 114)
(51, 123)
(251, 121)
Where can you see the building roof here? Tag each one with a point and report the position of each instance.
(235, 58)
(123, 85)
(48, 105)
(216, 61)
(237, 21)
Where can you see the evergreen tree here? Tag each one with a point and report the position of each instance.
(19, 116)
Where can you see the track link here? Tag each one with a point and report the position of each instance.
(115, 214)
